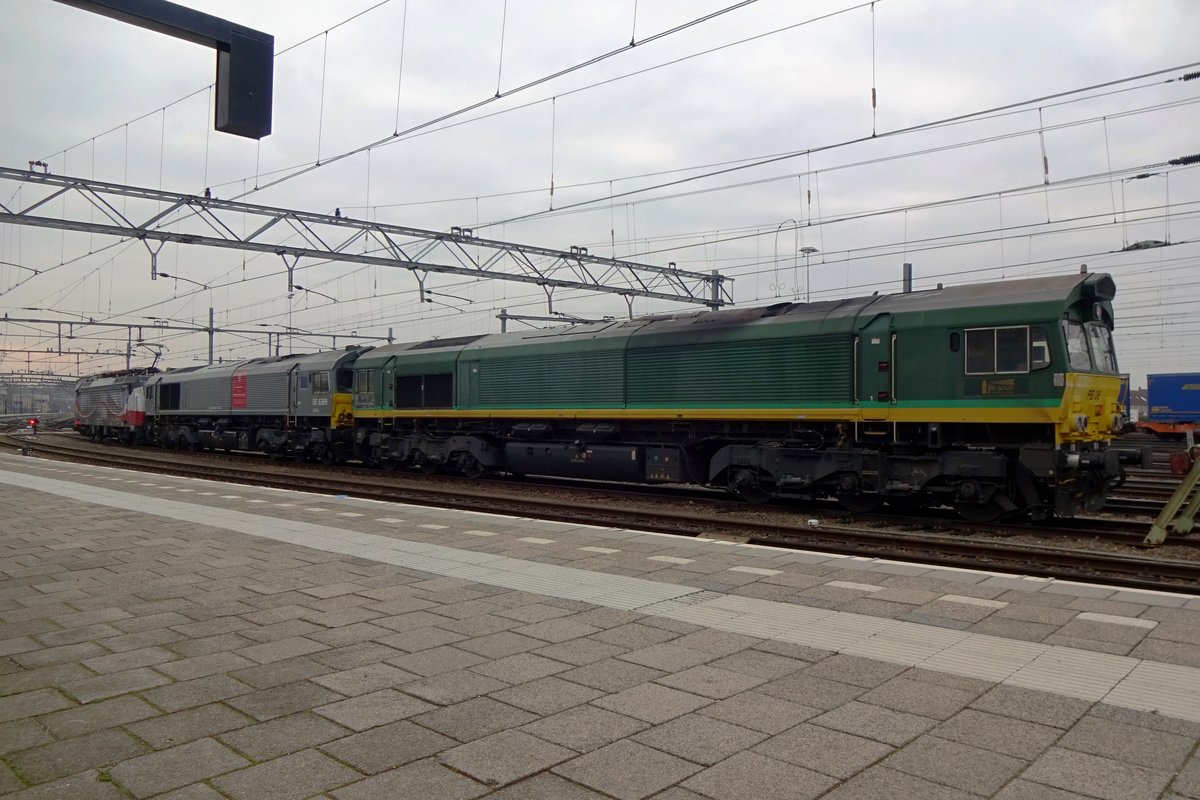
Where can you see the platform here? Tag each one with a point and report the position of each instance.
(170, 637)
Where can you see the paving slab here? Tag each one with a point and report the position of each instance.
(1097, 777)
(423, 779)
(627, 770)
(754, 775)
(297, 775)
(505, 757)
(957, 765)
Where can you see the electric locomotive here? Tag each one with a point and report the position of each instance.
(112, 404)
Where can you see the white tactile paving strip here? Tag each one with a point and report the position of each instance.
(858, 587)
(1112, 619)
(1133, 683)
(974, 601)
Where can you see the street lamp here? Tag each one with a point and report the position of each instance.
(808, 251)
(775, 287)
(185, 280)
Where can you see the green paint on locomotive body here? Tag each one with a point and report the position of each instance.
(886, 351)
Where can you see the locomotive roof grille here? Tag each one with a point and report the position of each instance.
(458, 341)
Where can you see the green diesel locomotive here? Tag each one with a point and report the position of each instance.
(993, 398)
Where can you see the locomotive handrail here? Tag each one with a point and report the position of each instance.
(854, 369)
(892, 370)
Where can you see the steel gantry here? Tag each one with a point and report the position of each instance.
(156, 217)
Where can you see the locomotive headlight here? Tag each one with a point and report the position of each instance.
(1081, 422)
(1118, 422)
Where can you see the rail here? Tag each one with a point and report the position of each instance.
(1123, 569)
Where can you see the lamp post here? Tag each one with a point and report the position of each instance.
(808, 251)
(775, 287)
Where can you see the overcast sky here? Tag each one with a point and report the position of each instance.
(963, 202)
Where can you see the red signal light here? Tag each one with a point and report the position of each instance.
(33, 422)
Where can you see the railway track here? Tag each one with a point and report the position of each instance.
(1000, 548)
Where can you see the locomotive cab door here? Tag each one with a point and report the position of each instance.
(297, 385)
(875, 356)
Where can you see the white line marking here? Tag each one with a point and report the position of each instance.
(1113, 619)
(756, 570)
(671, 559)
(972, 601)
(859, 587)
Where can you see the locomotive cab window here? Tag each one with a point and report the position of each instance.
(168, 399)
(319, 381)
(1104, 358)
(991, 351)
(345, 380)
(1077, 346)
(364, 388)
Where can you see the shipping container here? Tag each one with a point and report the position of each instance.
(1174, 397)
(1172, 405)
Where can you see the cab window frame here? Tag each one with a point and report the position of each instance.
(1074, 329)
(1097, 330)
(365, 383)
(985, 351)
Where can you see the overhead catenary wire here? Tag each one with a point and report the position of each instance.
(858, 140)
(499, 95)
(611, 205)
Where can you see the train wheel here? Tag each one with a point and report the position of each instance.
(327, 457)
(472, 467)
(748, 485)
(424, 463)
(388, 464)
